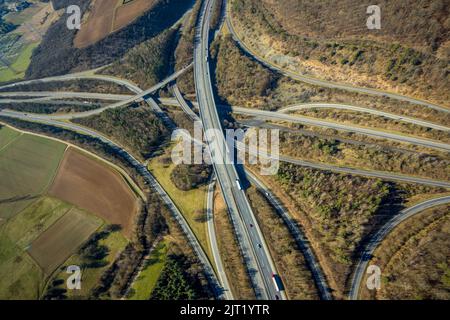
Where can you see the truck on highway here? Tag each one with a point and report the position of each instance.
(277, 282)
(238, 183)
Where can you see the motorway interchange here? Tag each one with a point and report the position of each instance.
(265, 279)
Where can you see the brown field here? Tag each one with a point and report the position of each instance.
(126, 13)
(90, 185)
(108, 16)
(61, 239)
(98, 25)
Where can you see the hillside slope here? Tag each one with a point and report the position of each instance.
(57, 54)
(330, 40)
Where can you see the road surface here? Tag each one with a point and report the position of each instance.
(78, 76)
(141, 96)
(297, 233)
(213, 240)
(269, 115)
(47, 95)
(347, 170)
(321, 166)
(189, 112)
(253, 246)
(364, 110)
(381, 234)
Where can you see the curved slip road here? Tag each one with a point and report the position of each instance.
(363, 110)
(281, 116)
(48, 95)
(189, 112)
(121, 103)
(213, 240)
(345, 127)
(140, 96)
(346, 170)
(78, 76)
(381, 234)
(324, 83)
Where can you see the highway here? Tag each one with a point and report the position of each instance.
(213, 240)
(78, 76)
(378, 237)
(347, 170)
(299, 237)
(301, 240)
(123, 102)
(269, 115)
(155, 108)
(363, 110)
(132, 99)
(49, 95)
(99, 96)
(253, 246)
(152, 182)
(46, 95)
(191, 237)
(255, 251)
(189, 112)
(321, 166)
(324, 83)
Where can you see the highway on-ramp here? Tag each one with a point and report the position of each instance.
(277, 116)
(213, 240)
(10, 97)
(123, 102)
(347, 170)
(305, 106)
(377, 238)
(85, 75)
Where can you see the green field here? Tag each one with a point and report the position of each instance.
(56, 244)
(18, 18)
(39, 233)
(17, 46)
(115, 242)
(7, 135)
(19, 65)
(27, 167)
(145, 283)
(189, 202)
(21, 276)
